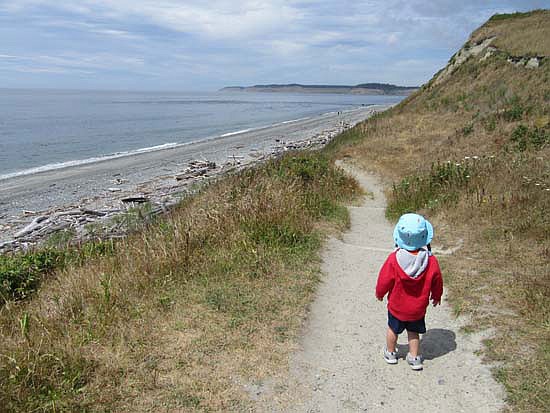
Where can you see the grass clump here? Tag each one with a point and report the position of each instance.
(525, 137)
(514, 111)
(178, 314)
(22, 273)
(507, 16)
(439, 187)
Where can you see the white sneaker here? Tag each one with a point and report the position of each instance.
(390, 356)
(415, 362)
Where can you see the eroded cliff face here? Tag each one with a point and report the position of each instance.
(483, 50)
(461, 56)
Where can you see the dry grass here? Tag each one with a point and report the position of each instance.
(519, 34)
(180, 315)
(492, 119)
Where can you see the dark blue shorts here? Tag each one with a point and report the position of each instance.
(397, 326)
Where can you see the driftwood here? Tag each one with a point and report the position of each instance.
(31, 227)
(136, 199)
(162, 197)
(69, 213)
(92, 212)
(195, 169)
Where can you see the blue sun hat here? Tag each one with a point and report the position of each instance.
(412, 232)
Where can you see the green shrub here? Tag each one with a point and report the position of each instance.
(539, 137)
(21, 273)
(468, 129)
(440, 185)
(519, 136)
(305, 168)
(525, 137)
(515, 110)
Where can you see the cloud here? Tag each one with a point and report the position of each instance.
(72, 63)
(23, 69)
(214, 19)
(94, 28)
(392, 39)
(206, 44)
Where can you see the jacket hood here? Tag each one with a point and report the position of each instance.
(413, 265)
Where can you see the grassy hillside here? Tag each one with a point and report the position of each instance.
(471, 150)
(178, 316)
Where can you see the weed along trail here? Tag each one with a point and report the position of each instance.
(338, 366)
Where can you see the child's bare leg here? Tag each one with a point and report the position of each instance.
(414, 343)
(391, 340)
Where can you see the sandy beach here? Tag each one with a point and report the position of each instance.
(101, 185)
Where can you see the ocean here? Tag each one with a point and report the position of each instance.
(48, 129)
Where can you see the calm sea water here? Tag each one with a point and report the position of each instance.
(41, 129)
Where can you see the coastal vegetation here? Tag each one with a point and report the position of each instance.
(471, 150)
(181, 313)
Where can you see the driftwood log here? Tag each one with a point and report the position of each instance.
(35, 223)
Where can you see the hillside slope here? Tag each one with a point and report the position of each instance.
(471, 150)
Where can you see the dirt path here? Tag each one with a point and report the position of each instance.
(339, 367)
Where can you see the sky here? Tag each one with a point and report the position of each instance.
(205, 45)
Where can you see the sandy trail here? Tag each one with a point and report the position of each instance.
(339, 366)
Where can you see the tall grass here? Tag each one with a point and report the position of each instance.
(175, 313)
(441, 186)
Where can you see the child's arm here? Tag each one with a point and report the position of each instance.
(385, 280)
(437, 286)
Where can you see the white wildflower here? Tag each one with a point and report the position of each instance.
(475, 157)
(537, 184)
(466, 157)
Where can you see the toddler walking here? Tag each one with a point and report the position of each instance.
(410, 276)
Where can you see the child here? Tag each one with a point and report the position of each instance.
(410, 276)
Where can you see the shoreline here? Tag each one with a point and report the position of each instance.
(161, 177)
(161, 147)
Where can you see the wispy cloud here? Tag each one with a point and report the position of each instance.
(207, 44)
(35, 69)
(88, 27)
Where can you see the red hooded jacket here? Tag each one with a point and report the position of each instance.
(408, 297)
